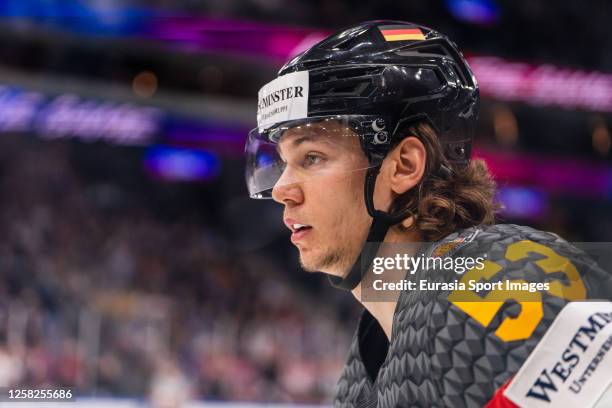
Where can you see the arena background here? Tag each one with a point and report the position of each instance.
(133, 267)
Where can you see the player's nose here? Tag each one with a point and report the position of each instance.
(287, 192)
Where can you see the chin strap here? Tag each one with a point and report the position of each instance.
(381, 223)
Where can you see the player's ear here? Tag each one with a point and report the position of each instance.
(407, 164)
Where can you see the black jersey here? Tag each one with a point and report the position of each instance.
(445, 352)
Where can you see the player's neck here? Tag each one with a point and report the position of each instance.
(383, 312)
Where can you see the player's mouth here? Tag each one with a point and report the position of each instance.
(299, 230)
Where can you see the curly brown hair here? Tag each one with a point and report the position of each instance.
(444, 203)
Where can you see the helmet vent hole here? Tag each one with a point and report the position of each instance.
(348, 44)
(432, 49)
(344, 82)
(459, 75)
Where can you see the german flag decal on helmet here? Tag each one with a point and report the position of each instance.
(401, 33)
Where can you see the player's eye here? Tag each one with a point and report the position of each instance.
(312, 159)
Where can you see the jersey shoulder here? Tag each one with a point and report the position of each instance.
(522, 253)
(493, 240)
(480, 338)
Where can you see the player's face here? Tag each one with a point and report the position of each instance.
(322, 190)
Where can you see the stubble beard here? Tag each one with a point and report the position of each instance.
(332, 262)
(336, 260)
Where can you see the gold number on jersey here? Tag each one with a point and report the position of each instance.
(484, 309)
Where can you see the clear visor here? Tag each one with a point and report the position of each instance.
(308, 151)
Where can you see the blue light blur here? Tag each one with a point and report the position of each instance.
(485, 12)
(264, 160)
(522, 202)
(183, 165)
(109, 17)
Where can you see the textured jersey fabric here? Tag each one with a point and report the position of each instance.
(438, 355)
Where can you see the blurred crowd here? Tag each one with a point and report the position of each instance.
(119, 302)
